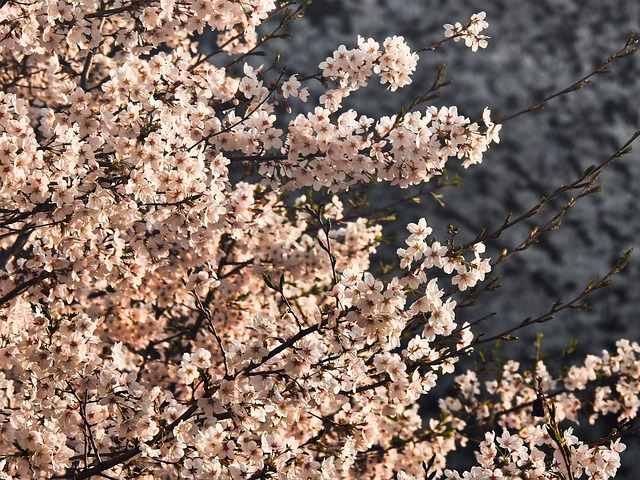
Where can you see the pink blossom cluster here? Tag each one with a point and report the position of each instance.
(535, 454)
(73, 29)
(352, 69)
(531, 451)
(161, 318)
(404, 150)
(470, 32)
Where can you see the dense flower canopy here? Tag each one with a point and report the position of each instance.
(161, 318)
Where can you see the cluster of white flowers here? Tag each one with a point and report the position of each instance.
(352, 69)
(470, 32)
(403, 150)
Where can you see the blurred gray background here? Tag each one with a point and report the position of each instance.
(536, 48)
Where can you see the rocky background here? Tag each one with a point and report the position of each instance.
(537, 48)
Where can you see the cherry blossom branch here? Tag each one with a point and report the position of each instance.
(104, 12)
(623, 429)
(24, 286)
(629, 49)
(558, 306)
(584, 183)
(325, 245)
(207, 315)
(557, 435)
(144, 218)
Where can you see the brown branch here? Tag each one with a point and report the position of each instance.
(23, 287)
(628, 49)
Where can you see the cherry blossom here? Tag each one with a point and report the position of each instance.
(173, 306)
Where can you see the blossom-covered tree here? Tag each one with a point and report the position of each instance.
(172, 305)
